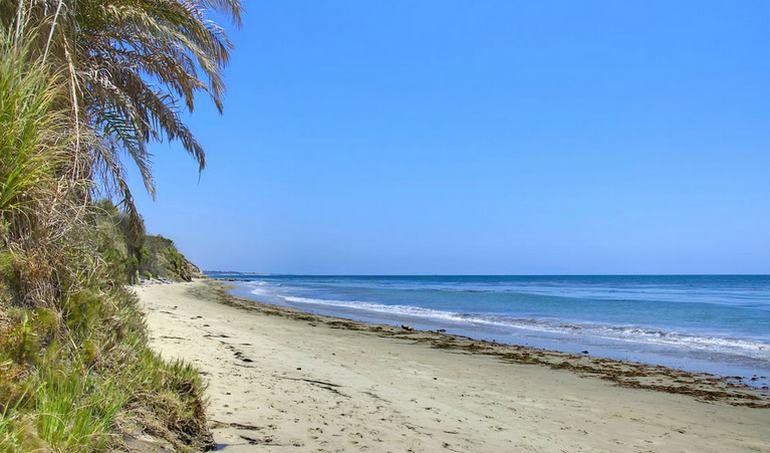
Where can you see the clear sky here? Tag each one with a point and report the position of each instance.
(498, 137)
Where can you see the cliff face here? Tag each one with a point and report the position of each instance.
(159, 258)
(134, 255)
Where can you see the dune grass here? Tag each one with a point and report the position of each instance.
(32, 145)
(72, 381)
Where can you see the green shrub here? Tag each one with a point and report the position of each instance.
(82, 311)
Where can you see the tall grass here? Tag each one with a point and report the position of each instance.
(75, 412)
(32, 143)
(15, 431)
(39, 202)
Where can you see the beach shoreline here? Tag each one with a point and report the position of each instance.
(275, 371)
(701, 324)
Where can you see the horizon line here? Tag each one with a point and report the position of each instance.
(270, 274)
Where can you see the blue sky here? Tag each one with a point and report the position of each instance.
(503, 137)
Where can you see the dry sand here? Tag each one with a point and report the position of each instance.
(281, 380)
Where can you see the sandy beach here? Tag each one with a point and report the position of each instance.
(282, 380)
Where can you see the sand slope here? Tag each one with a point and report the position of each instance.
(284, 384)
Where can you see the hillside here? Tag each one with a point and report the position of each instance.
(136, 255)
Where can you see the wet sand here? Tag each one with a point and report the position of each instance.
(284, 380)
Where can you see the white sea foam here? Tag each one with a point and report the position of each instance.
(753, 349)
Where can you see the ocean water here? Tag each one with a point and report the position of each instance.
(715, 324)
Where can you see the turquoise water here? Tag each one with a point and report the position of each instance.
(717, 324)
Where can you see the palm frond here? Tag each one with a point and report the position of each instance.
(132, 64)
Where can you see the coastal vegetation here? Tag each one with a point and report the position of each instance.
(133, 257)
(83, 84)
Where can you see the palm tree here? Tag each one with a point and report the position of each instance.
(132, 65)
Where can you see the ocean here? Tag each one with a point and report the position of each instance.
(718, 324)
